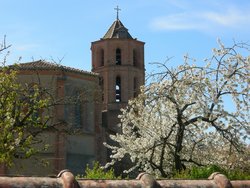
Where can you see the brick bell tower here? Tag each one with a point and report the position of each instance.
(119, 60)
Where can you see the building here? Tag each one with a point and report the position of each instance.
(117, 73)
(119, 60)
(74, 149)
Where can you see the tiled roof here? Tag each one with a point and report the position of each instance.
(66, 179)
(117, 30)
(43, 65)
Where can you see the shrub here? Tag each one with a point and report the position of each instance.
(97, 172)
(238, 175)
(204, 172)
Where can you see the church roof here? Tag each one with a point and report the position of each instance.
(117, 30)
(44, 65)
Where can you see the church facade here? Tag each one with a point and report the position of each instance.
(117, 73)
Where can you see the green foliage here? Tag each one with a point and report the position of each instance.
(97, 172)
(21, 119)
(204, 172)
(238, 175)
(198, 172)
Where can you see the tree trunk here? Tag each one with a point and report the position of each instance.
(178, 164)
(179, 139)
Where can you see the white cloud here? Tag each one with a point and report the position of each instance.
(204, 20)
(25, 47)
(182, 4)
(231, 18)
(183, 21)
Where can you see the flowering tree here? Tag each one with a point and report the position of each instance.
(191, 116)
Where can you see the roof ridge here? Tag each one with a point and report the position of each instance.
(46, 65)
(113, 29)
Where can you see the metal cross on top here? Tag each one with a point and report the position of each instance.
(117, 12)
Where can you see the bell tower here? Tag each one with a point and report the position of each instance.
(119, 60)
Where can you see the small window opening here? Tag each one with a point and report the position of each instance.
(102, 57)
(118, 89)
(78, 109)
(118, 59)
(134, 58)
(101, 83)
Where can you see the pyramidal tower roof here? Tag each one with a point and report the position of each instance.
(117, 29)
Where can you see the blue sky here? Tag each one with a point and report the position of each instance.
(56, 29)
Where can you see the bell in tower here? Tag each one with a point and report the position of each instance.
(119, 60)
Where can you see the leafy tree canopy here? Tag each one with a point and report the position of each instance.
(24, 113)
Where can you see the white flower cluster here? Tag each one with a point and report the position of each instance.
(195, 115)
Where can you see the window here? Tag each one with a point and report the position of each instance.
(121, 33)
(118, 89)
(78, 114)
(118, 57)
(134, 58)
(78, 110)
(32, 97)
(101, 83)
(102, 57)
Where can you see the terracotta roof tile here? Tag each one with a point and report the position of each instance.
(43, 65)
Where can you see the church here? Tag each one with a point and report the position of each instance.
(117, 73)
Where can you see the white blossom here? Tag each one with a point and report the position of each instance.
(185, 117)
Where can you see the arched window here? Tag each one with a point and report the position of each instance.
(118, 57)
(118, 89)
(134, 58)
(31, 98)
(101, 83)
(102, 57)
(78, 109)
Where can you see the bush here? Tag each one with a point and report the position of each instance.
(97, 172)
(198, 172)
(238, 175)
(204, 172)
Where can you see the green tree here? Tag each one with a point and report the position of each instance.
(28, 110)
(24, 113)
(21, 110)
